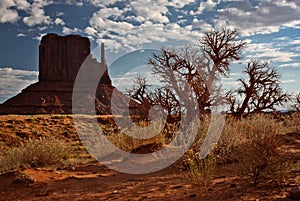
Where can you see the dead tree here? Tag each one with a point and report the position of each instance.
(164, 97)
(260, 92)
(142, 94)
(192, 73)
(296, 104)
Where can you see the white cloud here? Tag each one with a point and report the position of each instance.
(292, 65)
(90, 31)
(276, 56)
(139, 23)
(59, 21)
(58, 14)
(179, 3)
(67, 30)
(206, 5)
(267, 52)
(21, 35)
(284, 3)
(288, 81)
(266, 17)
(297, 49)
(43, 28)
(284, 38)
(295, 42)
(39, 37)
(6, 13)
(101, 3)
(152, 10)
(201, 24)
(78, 3)
(107, 12)
(12, 81)
(22, 4)
(37, 13)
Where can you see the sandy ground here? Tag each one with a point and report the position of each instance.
(94, 181)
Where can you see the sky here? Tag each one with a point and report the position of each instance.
(271, 28)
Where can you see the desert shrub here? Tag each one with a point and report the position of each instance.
(233, 134)
(259, 154)
(129, 143)
(36, 153)
(199, 171)
(259, 158)
(250, 144)
(292, 122)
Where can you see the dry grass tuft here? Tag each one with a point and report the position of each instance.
(252, 144)
(200, 171)
(35, 153)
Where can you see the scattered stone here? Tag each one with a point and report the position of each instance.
(148, 148)
(193, 195)
(233, 185)
(22, 178)
(294, 193)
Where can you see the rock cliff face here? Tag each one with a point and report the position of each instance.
(60, 58)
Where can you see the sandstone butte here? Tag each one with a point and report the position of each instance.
(60, 58)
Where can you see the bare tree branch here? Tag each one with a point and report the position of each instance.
(262, 91)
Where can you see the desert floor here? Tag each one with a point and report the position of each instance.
(93, 181)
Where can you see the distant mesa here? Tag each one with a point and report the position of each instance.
(60, 58)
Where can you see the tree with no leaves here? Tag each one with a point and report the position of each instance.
(296, 104)
(261, 91)
(164, 97)
(142, 94)
(191, 74)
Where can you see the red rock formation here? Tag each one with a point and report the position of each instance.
(60, 58)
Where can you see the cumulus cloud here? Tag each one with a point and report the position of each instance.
(90, 31)
(37, 13)
(59, 21)
(201, 24)
(206, 5)
(138, 23)
(7, 14)
(22, 4)
(12, 81)
(102, 3)
(151, 10)
(67, 30)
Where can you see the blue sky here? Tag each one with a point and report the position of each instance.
(271, 28)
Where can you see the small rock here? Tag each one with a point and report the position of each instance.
(294, 193)
(22, 178)
(193, 195)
